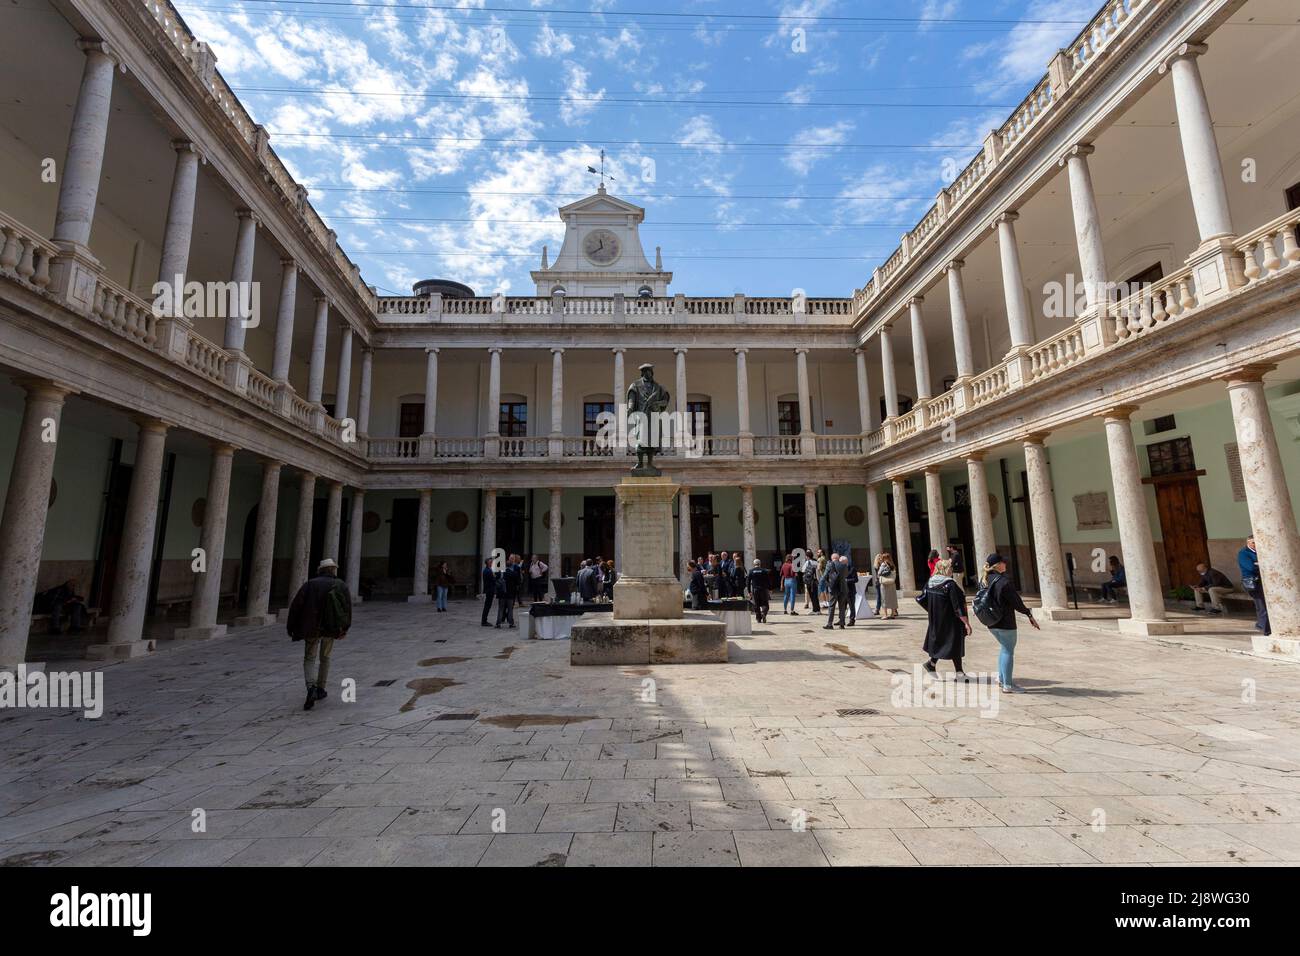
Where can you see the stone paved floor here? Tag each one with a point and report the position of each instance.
(1124, 752)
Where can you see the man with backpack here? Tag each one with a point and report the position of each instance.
(996, 604)
(319, 615)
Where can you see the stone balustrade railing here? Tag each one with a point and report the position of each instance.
(457, 448)
(392, 449)
(261, 389)
(1056, 353)
(1270, 249)
(779, 446)
(839, 445)
(205, 358)
(604, 308)
(128, 315)
(1065, 69)
(24, 255)
(1154, 305)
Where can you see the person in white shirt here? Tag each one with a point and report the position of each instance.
(537, 571)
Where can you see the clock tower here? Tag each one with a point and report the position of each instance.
(601, 254)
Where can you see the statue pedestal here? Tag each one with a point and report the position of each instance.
(648, 624)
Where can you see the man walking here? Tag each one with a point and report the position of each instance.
(759, 591)
(488, 581)
(319, 615)
(508, 581)
(836, 582)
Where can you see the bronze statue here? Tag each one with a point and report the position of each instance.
(646, 398)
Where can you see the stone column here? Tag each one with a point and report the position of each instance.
(1272, 515)
(887, 374)
(682, 395)
(961, 341)
(259, 579)
(981, 517)
(1047, 535)
(27, 503)
(1087, 224)
(920, 352)
(135, 558)
(1145, 596)
(319, 345)
(420, 578)
(1200, 148)
(742, 397)
(206, 600)
(333, 520)
(343, 380)
(179, 229)
(684, 556)
(283, 355)
(489, 542)
(1013, 283)
(864, 391)
(363, 391)
(81, 170)
(618, 535)
(494, 393)
(620, 380)
(298, 569)
(241, 273)
(431, 391)
(355, 531)
(555, 552)
(938, 515)
(805, 398)
(747, 525)
(812, 527)
(906, 578)
(875, 541)
(555, 444)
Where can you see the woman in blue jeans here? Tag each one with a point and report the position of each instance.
(1006, 601)
(789, 585)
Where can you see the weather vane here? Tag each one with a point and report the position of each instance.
(601, 172)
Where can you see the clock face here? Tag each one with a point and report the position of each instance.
(601, 247)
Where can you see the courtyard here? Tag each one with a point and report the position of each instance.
(471, 746)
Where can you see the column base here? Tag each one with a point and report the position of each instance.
(1128, 625)
(1057, 614)
(120, 650)
(256, 620)
(1264, 646)
(204, 633)
(420, 599)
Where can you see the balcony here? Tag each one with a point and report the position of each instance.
(616, 308)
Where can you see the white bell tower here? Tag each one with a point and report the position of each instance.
(602, 252)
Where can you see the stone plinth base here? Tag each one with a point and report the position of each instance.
(420, 599)
(737, 622)
(1148, 628)
(1268, 646)
(641, 599)
(199, 633)
(119, 651)
(1057, 614)
(685, 640)
(256, 620)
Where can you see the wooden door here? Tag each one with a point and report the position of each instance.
(402, 528)
(1182, 526)
(701, 525)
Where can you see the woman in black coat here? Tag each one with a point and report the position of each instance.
(945, 603)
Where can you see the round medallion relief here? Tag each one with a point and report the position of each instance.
(370, 521)
(198, 510)
(853, 516)
(457, 521)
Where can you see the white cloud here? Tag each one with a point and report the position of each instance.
(1022, 55)
(801, 159)
(551, 43)
(579, 100)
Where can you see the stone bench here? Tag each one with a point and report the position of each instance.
(41, 622)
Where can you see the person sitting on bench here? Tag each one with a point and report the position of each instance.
(1110, 589)
(63, 600)
(1213, 583)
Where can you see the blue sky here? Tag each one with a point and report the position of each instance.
(775, 145)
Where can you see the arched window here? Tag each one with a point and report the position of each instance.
(558, 290)
(645, 292)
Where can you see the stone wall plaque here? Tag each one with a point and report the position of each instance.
(457, 521)
(1092, 511)
(1233, 454)
(853, 516)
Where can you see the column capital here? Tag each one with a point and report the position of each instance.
(367, 349)
(248, 214)
(1185, 51)
(322, 300)
(801, 351)
(148, 423)
(557, 491)
(288, 262)
(618, 350)
(680, 350)
(897, 479)
(1118, 413)
(1009, 216)
(860, 350)
(746, 487)
(683, 489)
(1244, 374)
(741, 350)
(810, 489)
(956, 265)
(44, 387)
(431, 350)
(1077, 151)
(915, 300)
(931, 469)
(494, 350)
(184, 146)
(557, 350)
(1034, 438)
(974, 456)
(95, 45)
(222, 447)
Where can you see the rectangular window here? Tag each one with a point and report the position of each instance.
(787, 418)
(513, 420)
(703, 409)
(591, 412)
(410, 423)
(1171, 457)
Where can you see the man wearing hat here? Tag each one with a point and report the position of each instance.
(320, 614)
